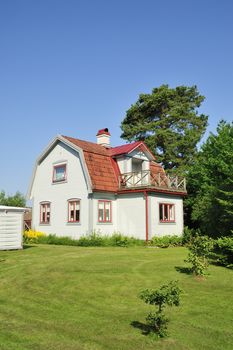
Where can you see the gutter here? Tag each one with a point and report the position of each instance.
(147, 215)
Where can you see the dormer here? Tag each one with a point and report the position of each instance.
(132, 158)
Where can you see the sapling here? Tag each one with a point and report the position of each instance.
(167, 294)
(199, 250)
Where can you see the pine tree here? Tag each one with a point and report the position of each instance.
(169, 123)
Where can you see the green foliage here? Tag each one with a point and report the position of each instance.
(200, 248)
(167, 294)
(158, 322)
(95, 239)
(166, 241)
(169, 123)
(223, 251)
(18, 200)
(210, 185)
(92, 240)
(189, 234)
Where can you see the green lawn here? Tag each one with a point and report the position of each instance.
(60, 297)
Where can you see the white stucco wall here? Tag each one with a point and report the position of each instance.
(59, 193)
(131, 215)
(158, 228)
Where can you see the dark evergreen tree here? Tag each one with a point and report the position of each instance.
(210, 184)
(169, 123)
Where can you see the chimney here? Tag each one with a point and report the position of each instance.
(103, 138)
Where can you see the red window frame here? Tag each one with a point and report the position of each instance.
(104, 213)
(54, 173)
(45, 205)
(73, 201)
(165, 207)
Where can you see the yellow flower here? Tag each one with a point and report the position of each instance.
(33, 234)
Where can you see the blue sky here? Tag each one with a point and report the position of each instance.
(73, 67)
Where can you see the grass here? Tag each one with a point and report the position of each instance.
(59, 297)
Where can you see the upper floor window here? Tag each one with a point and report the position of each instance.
(45, 213)
(166, 212)
(59, 173)
(74, 210)
(104, 211)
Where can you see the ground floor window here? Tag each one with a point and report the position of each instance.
(74, 210)
(166, 212)
(104, 211)
(45, 213)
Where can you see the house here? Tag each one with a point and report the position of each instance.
(79, 186)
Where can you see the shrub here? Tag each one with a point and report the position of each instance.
(31, 236)
(199, 251)
(223, 251)
(53, 239)
(166, 241)
(189, 234)
(167, 294)
(95, 239)
(118, 240)
(92, 240)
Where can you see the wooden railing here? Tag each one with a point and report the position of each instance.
(146, 179)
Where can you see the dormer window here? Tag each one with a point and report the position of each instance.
(59, 173)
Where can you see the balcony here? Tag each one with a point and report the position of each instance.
(145, 179)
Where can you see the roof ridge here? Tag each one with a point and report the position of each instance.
(75, 138)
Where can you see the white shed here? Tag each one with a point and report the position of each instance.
(11, 227)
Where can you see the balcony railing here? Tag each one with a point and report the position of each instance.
(146, 179)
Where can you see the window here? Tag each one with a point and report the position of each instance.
(166, 212)
(105, 211)
(45, 213)
(74, 210)
(59, 173)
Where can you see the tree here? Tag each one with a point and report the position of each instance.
(18, 200)
(210, 184)
(167, 294)
(169, 123)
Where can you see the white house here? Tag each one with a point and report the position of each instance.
(79, 186)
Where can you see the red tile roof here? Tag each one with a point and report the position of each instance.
(102, 167)
(124, 149)
(103, 174)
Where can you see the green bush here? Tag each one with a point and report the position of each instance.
(92, 240)
(223, 251)
(189, 234)
(118, 240)
(199, 252)
(95, 239)
(53, 239)
(166, 241)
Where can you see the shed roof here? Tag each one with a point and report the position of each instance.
(9, 208)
